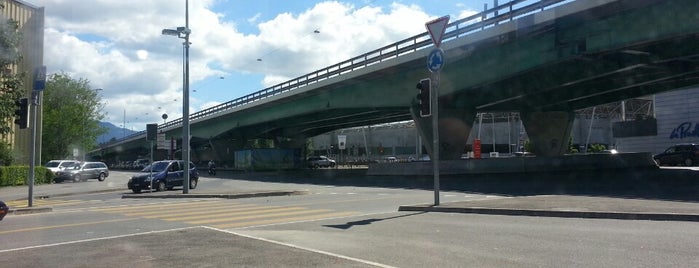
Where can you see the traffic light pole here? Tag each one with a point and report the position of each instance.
(33, 103)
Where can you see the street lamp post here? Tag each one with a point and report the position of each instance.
(183, 32)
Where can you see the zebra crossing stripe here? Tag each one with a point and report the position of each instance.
(154, 206)
(155, 213)
(285, 220)
(42, 202)
(248, 211)
(259, 216)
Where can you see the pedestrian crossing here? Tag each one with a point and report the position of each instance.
(225, 214)
(42, 203)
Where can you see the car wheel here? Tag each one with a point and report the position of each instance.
(161, 186)
(136, 191)
(101, 177)
(316, 166)
(77, 178)
(688, 162)
(193, 183)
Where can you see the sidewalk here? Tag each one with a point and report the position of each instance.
(570, 206)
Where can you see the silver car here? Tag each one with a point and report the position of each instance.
(320, 161)
(83, 172)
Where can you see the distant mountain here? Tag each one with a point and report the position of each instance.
(113, 132)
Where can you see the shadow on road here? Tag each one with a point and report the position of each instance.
(350, 224)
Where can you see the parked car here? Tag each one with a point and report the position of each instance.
(162, 175)
(685, 154)
(57, 165)
(3, 210)
(320, 161)
(390, 159)
(83, 172)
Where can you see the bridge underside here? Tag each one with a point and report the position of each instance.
(545, 65)
(547, 71)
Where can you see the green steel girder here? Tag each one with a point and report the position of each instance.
(582, 60)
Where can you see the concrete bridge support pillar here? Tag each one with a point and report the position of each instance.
(548, 131)
(454, 127)
(291, 143)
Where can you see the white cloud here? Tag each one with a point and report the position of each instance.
(118, 46)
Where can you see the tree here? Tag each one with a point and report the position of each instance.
(72, 111)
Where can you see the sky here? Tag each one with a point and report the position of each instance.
(237, 47)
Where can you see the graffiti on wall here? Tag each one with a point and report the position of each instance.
(685, 130)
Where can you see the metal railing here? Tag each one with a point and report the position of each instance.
(458, 29)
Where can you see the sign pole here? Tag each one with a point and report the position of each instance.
(435, 133)
(435, 63)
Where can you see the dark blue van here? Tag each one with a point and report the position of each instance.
(163, 175)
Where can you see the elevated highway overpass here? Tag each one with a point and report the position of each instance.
(544, 59)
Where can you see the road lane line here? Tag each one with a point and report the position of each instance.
(305, 248)
(63, 226)
(97, 239)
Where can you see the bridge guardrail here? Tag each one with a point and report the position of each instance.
(488, 18)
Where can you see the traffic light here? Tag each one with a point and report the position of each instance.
(423, 97)
(22, 113)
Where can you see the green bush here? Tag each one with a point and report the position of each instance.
(19, 175)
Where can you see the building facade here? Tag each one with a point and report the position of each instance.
(30, 20)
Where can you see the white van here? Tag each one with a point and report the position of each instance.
(58, 165)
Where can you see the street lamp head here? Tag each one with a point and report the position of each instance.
(181, 32)
(170, 32)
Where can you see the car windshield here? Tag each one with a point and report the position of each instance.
(157, 167)
(71, 164)
(52, 164)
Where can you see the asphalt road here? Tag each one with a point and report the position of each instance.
(346, 226)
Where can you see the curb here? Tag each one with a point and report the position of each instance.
(225, 196)
(23, 211)
(560, 214)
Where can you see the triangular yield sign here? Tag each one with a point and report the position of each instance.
(436, 29)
